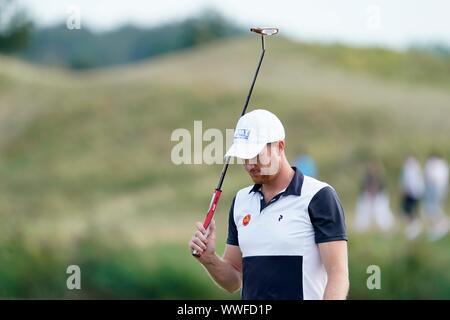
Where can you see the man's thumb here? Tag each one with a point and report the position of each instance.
(212, 227)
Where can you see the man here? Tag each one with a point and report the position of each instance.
(436, 187)
(286, 233)
(306, 164)
(412, 188)
(373, 205)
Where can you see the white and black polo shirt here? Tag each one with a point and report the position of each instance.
(279, 240)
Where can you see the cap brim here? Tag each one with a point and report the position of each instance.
(245, 150)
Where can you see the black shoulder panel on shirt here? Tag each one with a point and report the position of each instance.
(232, 230)
(327, 216)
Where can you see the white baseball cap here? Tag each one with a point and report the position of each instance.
(253, 131)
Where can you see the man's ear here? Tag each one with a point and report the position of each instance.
(280, 146)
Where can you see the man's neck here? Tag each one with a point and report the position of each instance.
(281, 182)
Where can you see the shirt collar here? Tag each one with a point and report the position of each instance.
(294, 187)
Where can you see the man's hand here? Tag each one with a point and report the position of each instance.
(225, 271)
(204, 242)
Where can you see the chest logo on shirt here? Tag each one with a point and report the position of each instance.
(246, 219)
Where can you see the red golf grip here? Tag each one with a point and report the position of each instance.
(212, 208)
(210, 214)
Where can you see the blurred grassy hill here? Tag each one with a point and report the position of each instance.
(86, 176)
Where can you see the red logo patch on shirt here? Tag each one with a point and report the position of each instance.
(246, 219)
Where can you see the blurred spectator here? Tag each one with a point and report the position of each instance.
(306, 164)
(436, 188)
(412, 188)
(373, 203)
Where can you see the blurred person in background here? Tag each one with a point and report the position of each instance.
(306, 164)
(436, 188)
(412, 188)
(373, 203)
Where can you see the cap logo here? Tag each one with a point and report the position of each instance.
(242, 134)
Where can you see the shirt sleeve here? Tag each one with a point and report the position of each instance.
(327, 216)
(232, 230)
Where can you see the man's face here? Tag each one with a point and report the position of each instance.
(265, 166)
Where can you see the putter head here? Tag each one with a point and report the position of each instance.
(264, 31)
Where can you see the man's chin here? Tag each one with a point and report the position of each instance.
(258, 179)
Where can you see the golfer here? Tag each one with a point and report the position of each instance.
(286, 232)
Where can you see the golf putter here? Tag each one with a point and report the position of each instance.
(218, 190)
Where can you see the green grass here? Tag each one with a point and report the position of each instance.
(86, 176)
(414, 67)
(409, 270)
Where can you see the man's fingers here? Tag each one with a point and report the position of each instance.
(196, 244)
(200, 235)
(200, 227)
(199, 243)
(196, 248)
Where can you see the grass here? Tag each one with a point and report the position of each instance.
(86, 176)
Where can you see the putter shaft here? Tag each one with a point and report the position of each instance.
(218, 190)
